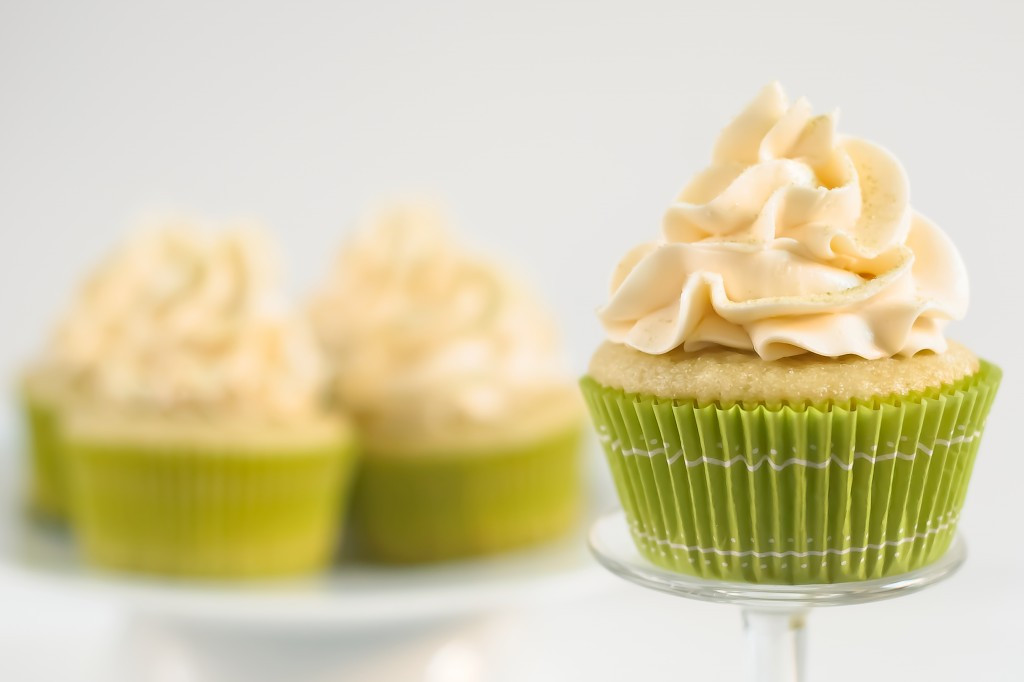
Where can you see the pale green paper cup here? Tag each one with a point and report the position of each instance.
(205, 511)
(47, 497)
(436, 506)
(794, 494)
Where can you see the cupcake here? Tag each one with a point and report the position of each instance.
(451, 370)
(199, 443)
(44, 387)
(776, 398)
(47, 388)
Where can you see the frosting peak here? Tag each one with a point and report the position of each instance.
(794, 240)
(187, 318)
(426, 337)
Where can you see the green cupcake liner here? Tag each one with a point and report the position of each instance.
(794, 494)
(46, 494)
(207, 511)
(432, 507)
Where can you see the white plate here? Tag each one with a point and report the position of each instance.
(352, 595)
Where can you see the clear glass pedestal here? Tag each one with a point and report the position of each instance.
(774, 616)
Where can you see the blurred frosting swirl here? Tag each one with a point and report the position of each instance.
(426, 338)
(185, 317)
(794, 240)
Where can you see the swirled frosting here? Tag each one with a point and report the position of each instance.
(794, 240)
(429, 341)
(183, 317)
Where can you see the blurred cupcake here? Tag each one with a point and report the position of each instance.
(777, 400)
(199, 443)
(452, 372)
(44, 387)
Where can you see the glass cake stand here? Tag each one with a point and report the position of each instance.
(774, 616)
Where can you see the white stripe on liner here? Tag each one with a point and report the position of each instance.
(792, 553)
(778, 466)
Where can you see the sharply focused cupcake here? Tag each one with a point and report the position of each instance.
(776, 399)
(452, 372)
(200, 443)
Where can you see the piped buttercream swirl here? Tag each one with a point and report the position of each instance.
(185, 317)
(430, 341)
(794, 240)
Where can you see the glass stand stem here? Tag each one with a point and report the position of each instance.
(774, 616)
(775, 643)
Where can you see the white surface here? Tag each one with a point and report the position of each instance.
(558, 131)
(955, 631)
(350, 597)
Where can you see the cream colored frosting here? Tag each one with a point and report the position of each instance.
(184, 316)
(794, 239)
(428, 340)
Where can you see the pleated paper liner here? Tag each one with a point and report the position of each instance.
(794, 494)
(46, 494)
(433, 507)
(207, 511)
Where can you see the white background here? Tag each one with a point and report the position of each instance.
(557, 133)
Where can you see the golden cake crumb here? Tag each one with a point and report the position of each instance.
(724, 375)
(543, 417)
(114, 427)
